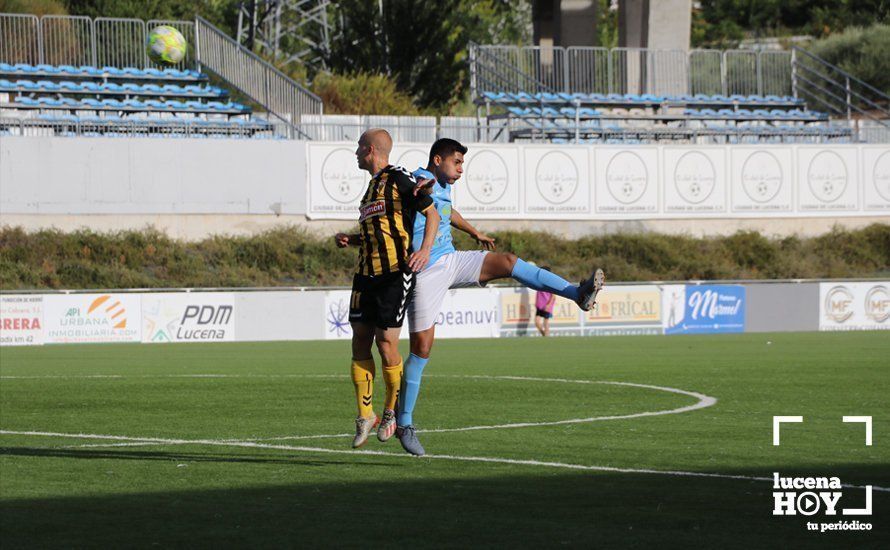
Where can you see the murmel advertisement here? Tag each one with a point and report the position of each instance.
(854, 306)
(21, 320)
(92, 318)
(703, 309)
(188, 317)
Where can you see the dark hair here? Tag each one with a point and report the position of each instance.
(445, 147)
(545, 267)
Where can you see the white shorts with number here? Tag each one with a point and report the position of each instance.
(458, 269)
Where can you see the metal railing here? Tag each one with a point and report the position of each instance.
(68, 40)
(79, 40)
(498, 68)
(833, 89)
(534, 69)
(253, 76)
(20, 38)
(588, 70)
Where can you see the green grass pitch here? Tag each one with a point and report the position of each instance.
(228, 466)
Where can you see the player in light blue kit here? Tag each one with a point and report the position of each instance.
(449, 268)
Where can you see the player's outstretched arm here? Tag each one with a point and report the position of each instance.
(420, 258)
(460, 223)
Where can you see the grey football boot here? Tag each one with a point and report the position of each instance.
(408, 438)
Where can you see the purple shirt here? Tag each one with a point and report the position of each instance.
(542, 301)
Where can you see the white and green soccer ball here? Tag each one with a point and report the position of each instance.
(166, 45)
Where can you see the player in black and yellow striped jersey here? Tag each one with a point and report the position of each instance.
(385, 275)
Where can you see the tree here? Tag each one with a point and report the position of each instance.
(419, 44)
(721, 23)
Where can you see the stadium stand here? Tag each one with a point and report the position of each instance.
(69, 76)
(103, 100)
(595, 95)
(64, 76)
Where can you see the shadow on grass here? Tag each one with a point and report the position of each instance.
(172, 457)
(455, 508)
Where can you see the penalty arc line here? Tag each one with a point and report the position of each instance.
(704, 401)
(485, 459)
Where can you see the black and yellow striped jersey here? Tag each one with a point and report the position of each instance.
(386, 217)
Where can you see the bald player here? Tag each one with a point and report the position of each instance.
(385, 276)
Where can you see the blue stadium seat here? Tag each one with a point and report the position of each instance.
(27, 85)
(112, 71)
(48, 86)
(50, 69)
(90, 102)
(70, 86)
(133, 104)
(28, 101)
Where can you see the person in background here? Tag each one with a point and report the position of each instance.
(544, 302)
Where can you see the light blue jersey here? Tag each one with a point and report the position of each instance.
(441, 195)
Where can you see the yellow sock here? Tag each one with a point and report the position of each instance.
(393, 377)
(363, 378)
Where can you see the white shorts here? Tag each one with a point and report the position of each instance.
(458, 269)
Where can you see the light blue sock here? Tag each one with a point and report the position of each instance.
(540, 279)
(410, 388)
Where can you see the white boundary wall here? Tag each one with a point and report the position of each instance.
(302, 314)
(101, 176)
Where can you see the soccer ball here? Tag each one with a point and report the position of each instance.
(166, 45)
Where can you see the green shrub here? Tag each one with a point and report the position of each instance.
(291, 256)
(862, 52)
(362, 94)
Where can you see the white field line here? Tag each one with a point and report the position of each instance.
(703, 402)
(484, 459)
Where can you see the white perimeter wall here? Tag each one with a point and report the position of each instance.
(151, 176)
(239, 315)
(246, 185)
